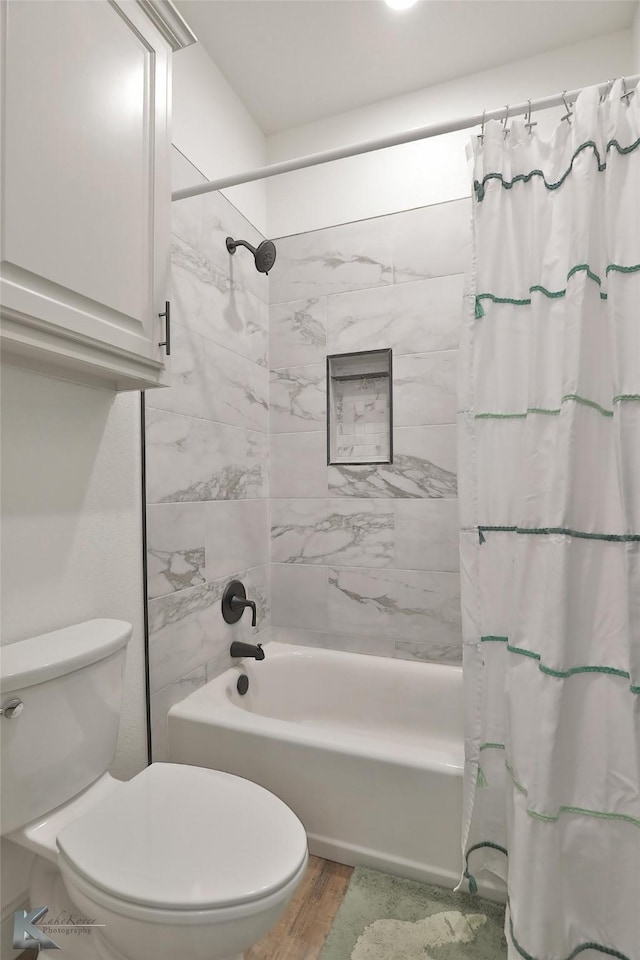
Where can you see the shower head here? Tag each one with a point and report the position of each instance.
(264, 254)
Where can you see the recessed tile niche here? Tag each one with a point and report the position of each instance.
(360, 407)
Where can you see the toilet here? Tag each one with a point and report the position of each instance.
(179, 861)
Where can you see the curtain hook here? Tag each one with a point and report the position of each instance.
(607, 90)
(505, 129)
(627, 93)
(528, 122)
(481, 134)
(567, 107)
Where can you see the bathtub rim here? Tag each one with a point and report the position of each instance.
(202, 707)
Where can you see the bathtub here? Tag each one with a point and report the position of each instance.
(367, 751)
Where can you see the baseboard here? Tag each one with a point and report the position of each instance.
(354, 856)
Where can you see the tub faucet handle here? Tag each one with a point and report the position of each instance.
(254, 612)
(234, 601)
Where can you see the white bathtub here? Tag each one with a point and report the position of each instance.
(367, 751)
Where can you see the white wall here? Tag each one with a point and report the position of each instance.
(71, 540)
(71, 522)
(430, 171)
(636, 41)
(212, 127)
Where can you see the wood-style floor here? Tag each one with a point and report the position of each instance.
(304, 927)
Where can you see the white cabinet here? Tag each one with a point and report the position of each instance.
(85, 190)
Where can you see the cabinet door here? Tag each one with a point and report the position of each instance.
(86, 198)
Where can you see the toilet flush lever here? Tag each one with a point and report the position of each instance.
(12, 708)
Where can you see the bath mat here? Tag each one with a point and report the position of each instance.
(388, 918)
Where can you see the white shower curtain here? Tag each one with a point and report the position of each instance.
(550, 545)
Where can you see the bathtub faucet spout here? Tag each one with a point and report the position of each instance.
(240, 649)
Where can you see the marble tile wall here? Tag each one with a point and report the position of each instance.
(207, 445)
(365, 558)
(361, 558)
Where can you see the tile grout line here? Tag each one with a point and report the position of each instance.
(241, 356)
(396, 356)
(379, 286)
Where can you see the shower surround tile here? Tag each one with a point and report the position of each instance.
(365, 557)
(297, 333)
(348, 257)
(221, 220)
(424, 465)
(205, 222)
(426, 535)
(330, 531)
(191, 543)
(373, 646)
(213, 383)
(345, 642)
(297, 398)
(190, 459)
(432, 241)
(186, 629)
(175, 547)
(206, 300)
(429, 652)
(298, 464)
(408, 317)
(161, 703)
(403, 604)
(424, 389)
(236, 535)
(207, 452)
(299, 596)
(398, 534)
(181, 637)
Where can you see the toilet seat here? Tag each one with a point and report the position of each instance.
(146, 914)
(178, 839)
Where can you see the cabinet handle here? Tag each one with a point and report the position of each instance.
(167, 315)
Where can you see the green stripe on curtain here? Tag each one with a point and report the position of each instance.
(563, 808)
(613, 144)
(561, 674)
(473, 886)
(551, 412)
(554, 294)
(473, 889)
(607, 951)
(555, 411)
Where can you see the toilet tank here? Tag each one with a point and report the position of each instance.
(64, 736)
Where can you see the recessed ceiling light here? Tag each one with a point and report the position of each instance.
(400, 4)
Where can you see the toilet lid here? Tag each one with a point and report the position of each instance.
(181, 837)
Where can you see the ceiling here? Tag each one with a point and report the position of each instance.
(295, 61)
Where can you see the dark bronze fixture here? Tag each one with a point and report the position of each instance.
(240, 649)
(234, 601)
(264, 254)
(166, 343)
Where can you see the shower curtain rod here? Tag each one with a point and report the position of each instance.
(392, 140)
